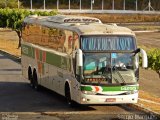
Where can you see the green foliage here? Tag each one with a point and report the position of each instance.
(9, 3)
(13, 18)
(154, 59)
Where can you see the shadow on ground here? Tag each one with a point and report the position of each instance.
(20, 97)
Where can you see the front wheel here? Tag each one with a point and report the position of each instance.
(70, 102)
(30, 77)
(68, 96)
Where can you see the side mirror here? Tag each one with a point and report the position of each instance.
(144, 58)
(79, 64)
(79, 58)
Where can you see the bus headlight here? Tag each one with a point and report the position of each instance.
(89, 92)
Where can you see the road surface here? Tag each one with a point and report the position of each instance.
(18, 100)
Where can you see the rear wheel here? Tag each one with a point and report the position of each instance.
(35, 80)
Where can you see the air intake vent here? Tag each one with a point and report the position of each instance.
(72, 19)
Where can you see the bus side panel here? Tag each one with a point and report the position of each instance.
(27, 59)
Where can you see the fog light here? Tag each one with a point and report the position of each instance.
(83, 99)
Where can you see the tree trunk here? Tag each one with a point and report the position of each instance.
(19, 33)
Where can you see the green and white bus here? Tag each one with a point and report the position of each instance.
(82, 59)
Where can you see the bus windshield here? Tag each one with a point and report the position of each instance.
(109, 68)
(90, 43)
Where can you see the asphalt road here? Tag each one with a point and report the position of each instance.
(18, 100)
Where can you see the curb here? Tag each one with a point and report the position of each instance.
(13, 57)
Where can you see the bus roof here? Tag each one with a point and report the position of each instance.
(81, 25)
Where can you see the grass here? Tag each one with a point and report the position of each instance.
(10, 46)
(152, 106)
(143, 27)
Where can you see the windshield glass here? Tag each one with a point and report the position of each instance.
(109, 68)
(107, 43)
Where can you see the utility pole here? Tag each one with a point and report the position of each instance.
(57, 4)
(102, 4)
(69, 4)
(92, 2)
(31, 4)
(80, 5)
(44, 2)
(136, 5)
(124, 4)
(112, 4)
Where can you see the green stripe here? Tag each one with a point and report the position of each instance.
(28, 51)
(51, 58)
(86, 88)
(114, 88)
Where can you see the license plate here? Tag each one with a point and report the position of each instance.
(110, 100)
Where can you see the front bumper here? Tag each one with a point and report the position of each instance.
(103, 99)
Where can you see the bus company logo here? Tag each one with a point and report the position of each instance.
(125, 88)
(25, 50)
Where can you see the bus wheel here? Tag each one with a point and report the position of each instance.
(35, 80)
(30, 76)
(68, 96)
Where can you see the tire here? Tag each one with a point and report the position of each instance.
(35, 81)
(70, 102)
(30, 77)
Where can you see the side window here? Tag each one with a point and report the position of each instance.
(75, 44)
(26, 32)
(30, 37)
(44, 36)
(56, 39)
(53, 38)
(71, 42)
(61, 41)
(37, 34)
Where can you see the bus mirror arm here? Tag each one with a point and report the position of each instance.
(137, 51)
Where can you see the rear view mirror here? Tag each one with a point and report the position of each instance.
(79, 58)
(79, 64)
(144, 58)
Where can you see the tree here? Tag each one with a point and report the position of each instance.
(9, 3)
(13, 18)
